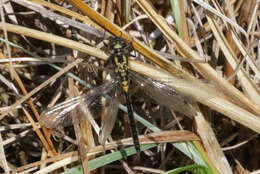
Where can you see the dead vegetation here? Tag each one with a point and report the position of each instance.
(206, 53)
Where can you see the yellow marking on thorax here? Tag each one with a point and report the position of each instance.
(117, 46)
(122, 68)
(125, 85)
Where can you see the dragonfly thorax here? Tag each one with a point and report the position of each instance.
(119, 59)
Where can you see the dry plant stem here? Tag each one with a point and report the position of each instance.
(219, 104)
(58, 165)
(126, 167)
(12, 139)
(44, 155)
(3, 161)
(109, 13)
(185, 32)
(249, 86)
(39, 133)
(78, 132)
(15, 126)
(200, 148)
(204, 94)
(87, 140)
(65, 11)
(149, 170)
(54, 16)
(137, 45)
(56, 158)
(205, 69)
(176, 119)
(55, 39)
(125, 11)
(6, 38)
(241, 143)
(48, 145)
(34, 91)
(254, 9)
(211, 145)
(158, 137)
(219, 14)
(167, 136)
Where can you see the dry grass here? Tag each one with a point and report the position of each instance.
(212, 62)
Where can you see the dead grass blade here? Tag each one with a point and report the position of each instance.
(243, 77)
(211, 145)
(203, 93)
(80, 132)
(206, 70)
(34, 91)
(46, 142)
(55, 39)
(3, 161)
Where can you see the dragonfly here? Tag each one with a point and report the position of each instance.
(59, 115)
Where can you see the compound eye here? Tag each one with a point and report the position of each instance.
(123, 44)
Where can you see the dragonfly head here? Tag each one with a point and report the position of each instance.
(118, 45)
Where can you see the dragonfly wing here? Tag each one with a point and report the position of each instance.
(164, 95)
(93, 102)
(108, 120)
(107, 91)
(59, 114)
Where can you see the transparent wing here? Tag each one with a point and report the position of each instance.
(59, 115)
(163, 94)
(108, 121)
